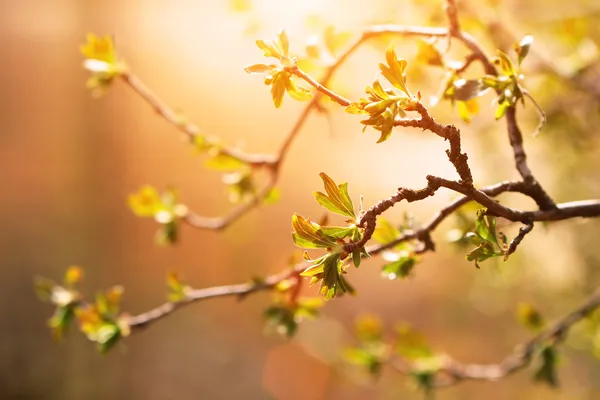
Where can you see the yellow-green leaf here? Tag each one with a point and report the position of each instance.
(337, 198)
(308, 235)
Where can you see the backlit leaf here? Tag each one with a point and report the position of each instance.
(308, 235)
(337, 199)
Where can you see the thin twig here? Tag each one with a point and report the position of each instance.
(455, 371)
(540, 112)
(517, 240)
(295, 70)
(191, 130)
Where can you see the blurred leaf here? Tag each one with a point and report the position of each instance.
(102, 61)
(221, 161)
(385, 232)
(401, 267)
(356, 257)
(363, 358)
(312, 50)
(177, 289)
(368, 328)
(109, 302)
(337, 199)
(411, 344)
(468, 109)
(101, 329)
(60, 321)
(43, 288)
(272, 196)
(203, 143)
(501, 109)
(530, 317)
(334, 41)
(167, 234)
(240, 5)
(165, 208)
(99, 48)
(522, 48)
(308, 307)
(107, 336)
(241, 186)
(146, 202)
(73, 276)
(281, 319)
(428, 53)
(546, 371)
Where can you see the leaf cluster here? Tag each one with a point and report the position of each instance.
(330, 268)
(276, 76)
(489, 242)
(383, 106)
(163, 207)
(102, 61)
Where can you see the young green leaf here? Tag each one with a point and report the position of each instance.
(337, 199)
(329, 269)
(339, 232)
(482, 252)
(485, 226)
(546, 371)
(308, 235)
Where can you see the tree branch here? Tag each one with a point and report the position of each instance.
(588, 208)
(453, 372)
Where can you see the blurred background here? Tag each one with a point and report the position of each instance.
(69, 161)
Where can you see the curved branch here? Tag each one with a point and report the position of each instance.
(453, 372)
